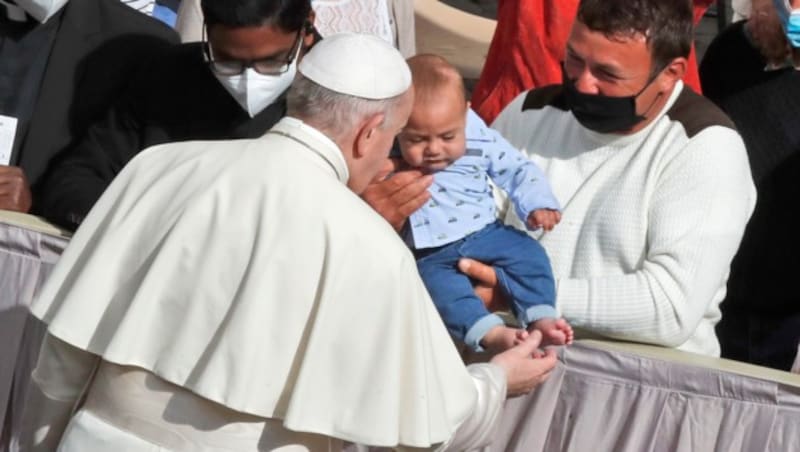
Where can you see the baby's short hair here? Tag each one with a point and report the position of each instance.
(431, 74)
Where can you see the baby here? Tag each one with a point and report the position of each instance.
(444, 137)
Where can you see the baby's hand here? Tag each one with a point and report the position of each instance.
(543, 218)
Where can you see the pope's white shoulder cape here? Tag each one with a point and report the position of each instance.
(248, 273)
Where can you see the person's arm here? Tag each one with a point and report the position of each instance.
(523, 181)
(189, 23)
(512, 373)
(478, 429)
(15, 193)
(515, 372)
(697, 216)
(61, 375)
(79, 175)
(402, 12)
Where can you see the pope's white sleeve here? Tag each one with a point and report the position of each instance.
(479, 428)
(59, 380)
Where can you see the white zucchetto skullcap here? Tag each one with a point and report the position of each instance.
(359, 65)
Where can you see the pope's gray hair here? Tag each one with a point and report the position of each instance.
(335, 114)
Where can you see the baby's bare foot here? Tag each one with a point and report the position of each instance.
(501, 338)
(554, 331)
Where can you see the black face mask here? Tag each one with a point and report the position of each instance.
(603, 114)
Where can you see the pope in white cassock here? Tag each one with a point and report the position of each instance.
(240, 296)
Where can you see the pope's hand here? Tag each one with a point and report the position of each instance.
(398, 196)
(525, 365)
(15, 194)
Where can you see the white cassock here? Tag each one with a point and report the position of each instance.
(245, 278)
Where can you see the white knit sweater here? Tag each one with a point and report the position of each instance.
(651, 221)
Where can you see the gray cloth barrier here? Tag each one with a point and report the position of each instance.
(29, 248)
(603, 396)
(621, 398)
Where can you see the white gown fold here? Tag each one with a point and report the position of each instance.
(247, 273)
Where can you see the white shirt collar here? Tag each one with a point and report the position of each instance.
(316, 141)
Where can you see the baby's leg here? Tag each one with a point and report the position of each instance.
(522, 268)
(464, 314)
(554, 331)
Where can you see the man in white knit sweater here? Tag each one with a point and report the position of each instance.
(654, 180)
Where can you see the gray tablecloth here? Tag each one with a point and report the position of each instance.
(602, 400)
(602, 397)
(26, 258)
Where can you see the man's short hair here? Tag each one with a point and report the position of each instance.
(666, 24)
(288, 15)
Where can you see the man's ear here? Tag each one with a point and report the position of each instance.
(674, 71)
(310, 33)
(367, 134)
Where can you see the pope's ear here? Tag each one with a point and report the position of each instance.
(368, 134)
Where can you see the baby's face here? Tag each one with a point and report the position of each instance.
(434, 135)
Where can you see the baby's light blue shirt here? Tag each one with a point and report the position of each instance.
(461, 198)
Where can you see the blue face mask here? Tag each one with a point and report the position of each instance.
(793, 29)
(790, 20)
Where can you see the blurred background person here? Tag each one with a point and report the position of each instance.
(62, 64)
(231, 85)
(749, 73)
(164, 10)
(740, 10)
(391, 20)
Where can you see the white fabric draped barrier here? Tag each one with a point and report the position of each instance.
(602, 397)
(29, 249)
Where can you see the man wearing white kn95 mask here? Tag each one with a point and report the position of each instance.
(231, 85)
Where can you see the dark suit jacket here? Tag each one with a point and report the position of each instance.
(99, 44)
(176, 98)
(761, 310)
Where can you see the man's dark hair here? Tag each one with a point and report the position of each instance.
(288, 15)
(666, 24)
